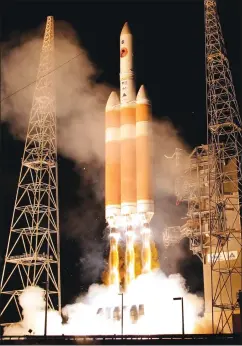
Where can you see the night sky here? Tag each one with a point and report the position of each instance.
(169, 60)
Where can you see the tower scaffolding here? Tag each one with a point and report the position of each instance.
(225, 176)
(33, 250)
(191, 187)
(211, 184)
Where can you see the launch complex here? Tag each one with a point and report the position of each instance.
(210, 184)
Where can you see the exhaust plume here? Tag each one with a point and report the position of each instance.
(162, 315)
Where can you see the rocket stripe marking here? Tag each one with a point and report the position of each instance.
(125, 105)
(143, 112)
(112, 108)
(143, 102)
(111, 206)
(112, 119)
(112, 134)
(143, 128)
(125, 76)
(128, 116)
(127, 131)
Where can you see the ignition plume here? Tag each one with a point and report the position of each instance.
(162, 315)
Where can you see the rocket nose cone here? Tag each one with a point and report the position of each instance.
(142, 95)
(126, 29)
(113, 100)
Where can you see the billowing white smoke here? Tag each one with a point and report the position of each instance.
(80, 103)
(33, 303)
(162, 315)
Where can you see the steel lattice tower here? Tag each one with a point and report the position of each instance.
(33, 255)
(225, 176)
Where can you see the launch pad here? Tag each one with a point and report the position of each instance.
(187, 339)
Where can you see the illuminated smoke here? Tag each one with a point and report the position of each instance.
(162, 315)
(33, 305)
(80, 104)
(80, 101)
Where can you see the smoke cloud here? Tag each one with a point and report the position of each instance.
(80, 102)
(162, 315)
(80, 106)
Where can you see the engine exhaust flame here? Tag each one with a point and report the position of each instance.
(114, 278)
(129, 257)
(146, 251)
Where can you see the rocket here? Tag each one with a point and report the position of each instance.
(128, 173)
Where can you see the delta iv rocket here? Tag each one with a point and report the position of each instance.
(128, 171)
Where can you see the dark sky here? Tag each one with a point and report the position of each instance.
(169, 60)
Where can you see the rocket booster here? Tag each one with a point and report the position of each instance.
(112, 181)
(145, 203)
(112, 159)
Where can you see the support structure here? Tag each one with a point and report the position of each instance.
(33, 250)
(211, 184)
(225, 176)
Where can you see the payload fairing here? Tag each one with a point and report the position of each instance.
(128, 168)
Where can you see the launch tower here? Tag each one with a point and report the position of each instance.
(33, 256)
(225, 174)
(211, 184)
